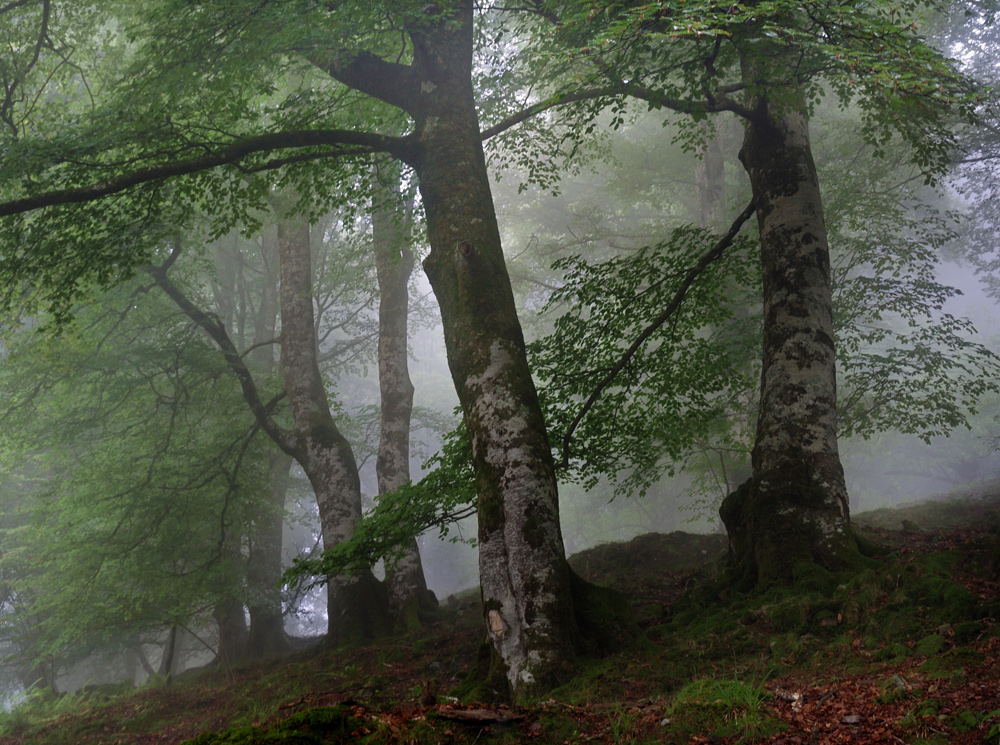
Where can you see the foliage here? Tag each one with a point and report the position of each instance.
(673, 389)
(441, 498)
(132, 477)
(687, 399)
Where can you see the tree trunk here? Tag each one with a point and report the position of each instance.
(710, 179)
(533, 609)
(794, 508)
(168, 660)
(356, 605)
(232, 623)
(409, 597)
(527, 600)
(267, 635)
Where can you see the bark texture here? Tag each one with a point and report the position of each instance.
(528, 607)
(356, 605)
(410, 602)
(795, 507)
(529, 614)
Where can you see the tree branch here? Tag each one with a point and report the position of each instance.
(391, 82)
(211, 326)
(359, 142)
(706, 259)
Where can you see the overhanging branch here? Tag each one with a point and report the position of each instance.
(692, 274)
(354, 143)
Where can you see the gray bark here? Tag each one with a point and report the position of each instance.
(795, 507)
(321, 449)
(527, 600)
(405, 582)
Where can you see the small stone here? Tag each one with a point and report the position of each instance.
(851, 719)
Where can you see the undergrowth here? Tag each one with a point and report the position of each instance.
(908, 632)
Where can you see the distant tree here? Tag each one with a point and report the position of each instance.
(133, 484)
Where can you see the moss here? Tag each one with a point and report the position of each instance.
(723, 709)
(951, 664)
(781, 519)
(931, 645)
(892, 653)
(487, 681)
(808, 576)
(965, 721)
(604, 618)
(312, 727)
(967, 631)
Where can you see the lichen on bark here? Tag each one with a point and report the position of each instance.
(795, 506)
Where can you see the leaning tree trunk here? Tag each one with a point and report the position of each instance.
(409, 597)
(794, 508)
(356, 604)
(536, 612)
(527, 597)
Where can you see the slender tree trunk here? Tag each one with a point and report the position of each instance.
(267, 635)
(711, 182)
(356, 605)
(405, 582)
(232, 623)
(168, 659)
(794, 508)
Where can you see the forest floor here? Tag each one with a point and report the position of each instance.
(906, 651)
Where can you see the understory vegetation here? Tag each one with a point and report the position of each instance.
(903, 651)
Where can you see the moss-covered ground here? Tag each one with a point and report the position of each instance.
(905, 651)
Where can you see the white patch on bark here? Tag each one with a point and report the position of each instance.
(508, 564)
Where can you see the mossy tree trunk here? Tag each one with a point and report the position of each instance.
(795, 506)
(530, 618)
(409, 598)
(525, 579)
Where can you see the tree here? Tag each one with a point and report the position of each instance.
(530, 613)
(409, 598)
(780, 57)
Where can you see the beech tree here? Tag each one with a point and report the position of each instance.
(409, 598)
(769, 65)
(534, 613)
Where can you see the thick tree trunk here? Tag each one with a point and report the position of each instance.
(534, 610)
(409, 597)
(794, 508)
(527, 600)
(356, 605)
